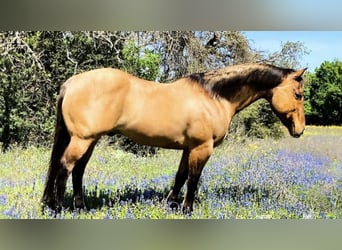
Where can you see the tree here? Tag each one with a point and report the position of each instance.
(325, 94)
(32, 66)
(140, 61)
(289, 55)
(20, 69)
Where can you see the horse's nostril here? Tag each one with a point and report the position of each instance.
(297, 135)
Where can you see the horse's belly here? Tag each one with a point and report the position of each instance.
(151, 138)
(155, 127)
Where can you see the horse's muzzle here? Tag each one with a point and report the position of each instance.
(297, 134)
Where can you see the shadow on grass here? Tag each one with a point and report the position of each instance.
(98, 198)
(238, 193)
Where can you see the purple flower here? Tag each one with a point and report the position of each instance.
(107, 216)
(3, 199)
(11, 213)
(323, 215)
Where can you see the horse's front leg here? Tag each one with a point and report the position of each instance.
(198, 157)
(181, 176)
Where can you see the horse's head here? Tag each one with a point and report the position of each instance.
(287, 101)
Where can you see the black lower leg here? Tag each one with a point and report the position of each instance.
(61, 181)
(181, 176)
(49, 195)
(77, 175)
(190, 195)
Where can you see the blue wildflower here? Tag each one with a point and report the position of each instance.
(3, 199)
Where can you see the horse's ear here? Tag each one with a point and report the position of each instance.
(298, 73)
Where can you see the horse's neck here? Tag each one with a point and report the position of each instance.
(245, 97)
(232, 106)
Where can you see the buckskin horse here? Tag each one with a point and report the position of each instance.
(191, 114)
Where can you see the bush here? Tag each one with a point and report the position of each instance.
(256, 121)
(130, 146)
(324, 94)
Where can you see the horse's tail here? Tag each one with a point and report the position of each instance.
(61, 141)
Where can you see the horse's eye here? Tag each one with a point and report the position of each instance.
(299, 79)
(298, 96)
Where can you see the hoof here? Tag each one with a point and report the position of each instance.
(173, 205)
(48, 204)
(187, 208)
(187, 211)
(79, 205)
(173, 202)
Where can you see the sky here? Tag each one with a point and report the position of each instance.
(322, 45)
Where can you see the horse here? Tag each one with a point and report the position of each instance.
(192, 114)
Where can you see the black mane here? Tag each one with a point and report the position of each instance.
(198, 77)
(259, 76)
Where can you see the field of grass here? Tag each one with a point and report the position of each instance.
(286, 178)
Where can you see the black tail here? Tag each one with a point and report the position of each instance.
(61, 141)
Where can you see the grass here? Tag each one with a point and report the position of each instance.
(256, 179)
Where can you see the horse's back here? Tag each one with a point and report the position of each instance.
(95, 79)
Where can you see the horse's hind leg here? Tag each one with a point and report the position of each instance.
(76, 149)
(49, 191)
(181, 176)
(77, 176)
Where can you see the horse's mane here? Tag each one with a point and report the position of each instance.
(258, 76)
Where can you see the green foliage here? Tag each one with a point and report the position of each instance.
(256, 121)
(33, 64)
(141, 62)
(325, 94)
(24, 114)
